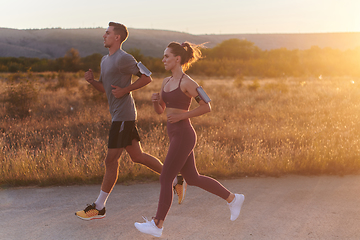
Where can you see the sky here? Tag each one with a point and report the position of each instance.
(190, 16)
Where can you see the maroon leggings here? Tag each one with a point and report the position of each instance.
(180, 158)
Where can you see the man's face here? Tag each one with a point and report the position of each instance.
(110, 38)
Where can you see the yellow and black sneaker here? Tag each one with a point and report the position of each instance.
(90, 213)
(180, 188)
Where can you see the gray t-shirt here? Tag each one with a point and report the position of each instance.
(117, 70)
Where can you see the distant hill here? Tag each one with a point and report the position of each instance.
(53, 43)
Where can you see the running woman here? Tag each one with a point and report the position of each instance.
(115, 80)
(175, 96)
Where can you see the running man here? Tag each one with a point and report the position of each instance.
(117, 69)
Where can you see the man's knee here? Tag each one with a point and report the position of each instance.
(136, 153)
(112, 158)
(138, 157)
(110, 162)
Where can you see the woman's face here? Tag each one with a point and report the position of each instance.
(170, 60)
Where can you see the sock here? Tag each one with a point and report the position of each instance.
(230, 203)
(101, 200)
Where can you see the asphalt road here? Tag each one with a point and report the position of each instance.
(292, 207)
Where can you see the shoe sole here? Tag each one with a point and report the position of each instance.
(155, 235)
(88, 219)
(184, 186)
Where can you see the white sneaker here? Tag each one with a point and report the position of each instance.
(149, 227)
(235, 206)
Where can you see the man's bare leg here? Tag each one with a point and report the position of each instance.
(138, 156)
(97, 209)
(111, 169)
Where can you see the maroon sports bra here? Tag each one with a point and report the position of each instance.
(176, 98)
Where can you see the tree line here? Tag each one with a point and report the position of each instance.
(233, 57)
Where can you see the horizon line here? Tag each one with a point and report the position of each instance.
(153, 29)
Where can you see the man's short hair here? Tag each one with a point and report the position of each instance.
(120, 29)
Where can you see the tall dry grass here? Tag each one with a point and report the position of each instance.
(257, 127)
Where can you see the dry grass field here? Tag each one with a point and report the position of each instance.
(257, 127)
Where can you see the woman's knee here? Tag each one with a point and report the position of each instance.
(166, 178)
(192, 181)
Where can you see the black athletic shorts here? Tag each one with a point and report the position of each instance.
(122, 133)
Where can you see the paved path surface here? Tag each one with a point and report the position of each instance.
(292, 207)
